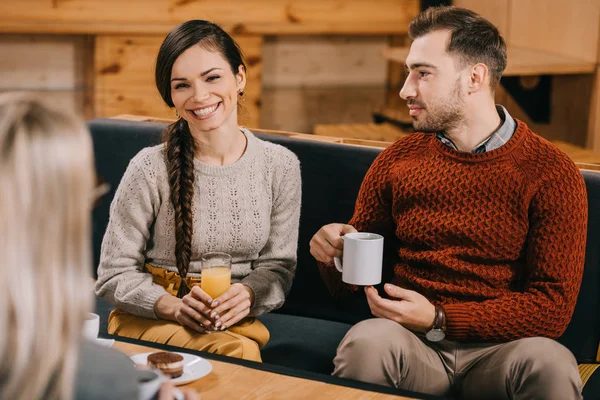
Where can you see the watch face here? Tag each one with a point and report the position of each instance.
(435, 335)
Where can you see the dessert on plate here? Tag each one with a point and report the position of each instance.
(170, 364)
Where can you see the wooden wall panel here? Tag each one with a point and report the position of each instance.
(569, 28)
(124, 77)
(330, 60)
(43, 63)
(593, 131)
(569, 109)
(50, 66)
(300, 109)
(312, 80)
(242, 16)
(495, 11)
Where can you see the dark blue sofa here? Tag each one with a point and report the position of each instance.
(306, 331)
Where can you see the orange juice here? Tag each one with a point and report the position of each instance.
(215, 281)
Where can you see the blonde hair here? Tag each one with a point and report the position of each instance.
(46, 184)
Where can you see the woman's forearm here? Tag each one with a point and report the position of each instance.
(166, 306)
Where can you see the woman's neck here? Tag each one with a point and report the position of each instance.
(222, 146)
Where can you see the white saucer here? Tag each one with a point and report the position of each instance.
(194, 367)
(105, 342)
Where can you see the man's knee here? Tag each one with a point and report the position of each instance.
(383, 352)
(373, 345)
(544, 351)
(374, 338)
(543, 357)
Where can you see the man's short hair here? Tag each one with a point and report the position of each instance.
(473, 38)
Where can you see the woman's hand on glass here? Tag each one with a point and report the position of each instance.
(232, 306)
(195, 311)
(192, 311)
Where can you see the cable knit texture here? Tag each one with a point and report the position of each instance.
(498, 238)
(249, 209)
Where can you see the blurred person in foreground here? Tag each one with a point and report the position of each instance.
(47, 189)
(485, 226)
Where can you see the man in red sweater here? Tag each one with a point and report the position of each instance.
(486, 223)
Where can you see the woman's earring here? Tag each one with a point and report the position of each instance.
(242, 95)
(177, 114)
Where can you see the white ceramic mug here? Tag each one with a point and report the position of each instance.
(91, 326)
(362, 259)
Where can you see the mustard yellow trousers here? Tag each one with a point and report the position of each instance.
(243, 340)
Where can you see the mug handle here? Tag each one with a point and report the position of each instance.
(338, 262)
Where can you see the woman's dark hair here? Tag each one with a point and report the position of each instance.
(179, 141)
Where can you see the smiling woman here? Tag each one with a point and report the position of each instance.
(211, 187)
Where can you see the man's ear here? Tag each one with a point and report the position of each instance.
(478, 78)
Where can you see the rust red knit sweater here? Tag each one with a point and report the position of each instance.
(498, 238)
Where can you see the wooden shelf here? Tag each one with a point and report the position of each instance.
(521, 62)
(379, 132)
(254, 17)
(400, 115)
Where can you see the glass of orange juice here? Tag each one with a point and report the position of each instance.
(216, 273)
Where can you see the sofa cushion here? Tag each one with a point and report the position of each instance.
(305, 343)
(103, 309)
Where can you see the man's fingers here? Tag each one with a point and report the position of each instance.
(320, 255)
(327, 242)
(334, 235)
(380, 307)
(322, 250)
(347, 229)
(333, 242)
(398, 293)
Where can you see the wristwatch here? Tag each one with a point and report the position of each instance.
(438, 329)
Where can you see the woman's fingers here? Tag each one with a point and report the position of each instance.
(196, 316)
(197, 305)
(230, 299)
(186, 320)
(235, 314)
(199, 294)
(233, 291)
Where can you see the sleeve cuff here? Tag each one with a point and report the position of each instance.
(265, 299)
(149, 300)
(458, 321)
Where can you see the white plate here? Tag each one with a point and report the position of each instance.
(194, 367)
(105, 342)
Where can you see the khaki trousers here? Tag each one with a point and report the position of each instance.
(383, 352)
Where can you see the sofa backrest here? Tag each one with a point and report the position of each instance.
(583, 333)
(331, 178)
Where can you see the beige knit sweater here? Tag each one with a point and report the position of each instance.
(249, 209)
